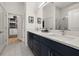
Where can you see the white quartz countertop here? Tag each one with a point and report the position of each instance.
(68, 40)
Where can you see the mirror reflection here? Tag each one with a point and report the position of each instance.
(61, 16)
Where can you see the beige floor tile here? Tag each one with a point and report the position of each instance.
(18, 49)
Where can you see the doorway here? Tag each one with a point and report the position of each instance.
(13, 28)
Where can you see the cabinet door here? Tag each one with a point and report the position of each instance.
(45, 51)
(36, 48)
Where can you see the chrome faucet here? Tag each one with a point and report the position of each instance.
(63, 32)
(63, 26)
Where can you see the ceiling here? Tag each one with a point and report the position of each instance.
(57, 4)
(63, 4)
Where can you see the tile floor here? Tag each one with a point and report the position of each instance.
(18, 49)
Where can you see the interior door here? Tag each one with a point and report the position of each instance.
(3, 28)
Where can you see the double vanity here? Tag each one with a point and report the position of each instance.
(55, 17)
(52, 44)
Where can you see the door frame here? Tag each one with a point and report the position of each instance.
(23, 24)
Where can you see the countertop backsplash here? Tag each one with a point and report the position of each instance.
(72, 33)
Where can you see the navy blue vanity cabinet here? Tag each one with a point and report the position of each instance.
(42, 46)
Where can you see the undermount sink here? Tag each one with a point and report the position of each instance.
(61, 36)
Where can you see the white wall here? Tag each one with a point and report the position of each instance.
(30, 11)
